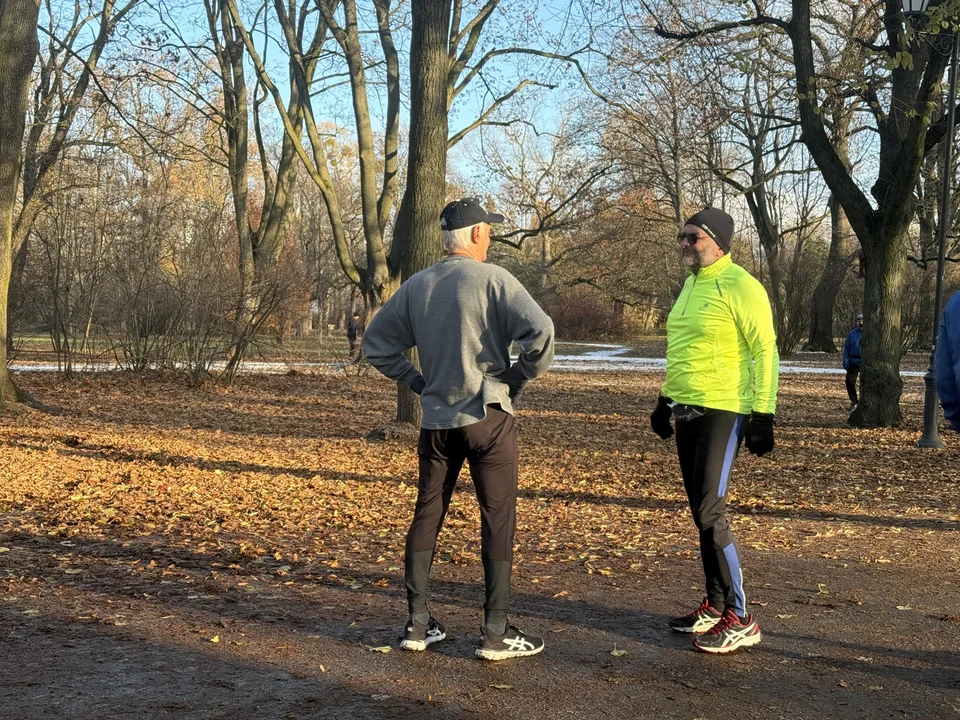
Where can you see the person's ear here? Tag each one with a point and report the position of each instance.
(475, 234)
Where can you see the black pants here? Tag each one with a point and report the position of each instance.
(707, 446)
(490, 449)
(852, 372)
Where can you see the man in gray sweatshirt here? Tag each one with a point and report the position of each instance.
(463, 315)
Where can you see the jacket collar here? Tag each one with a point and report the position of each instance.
(713, 270)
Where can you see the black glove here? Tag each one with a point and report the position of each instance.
(418, 384)
(660, 418)
(516, 392)
(514, 378)
(759, 435)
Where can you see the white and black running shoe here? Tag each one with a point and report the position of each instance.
(729, 634)
(416, 636)
(512, 644)
(699, 621)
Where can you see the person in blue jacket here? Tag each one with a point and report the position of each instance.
(851, 361)
(947, 362)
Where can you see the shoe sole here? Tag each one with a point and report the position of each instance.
(698, 629)
(421, 645)
(746, 642)
(506, 654)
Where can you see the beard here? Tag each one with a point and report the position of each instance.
(690, 257)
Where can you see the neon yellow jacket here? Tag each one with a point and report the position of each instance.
(721, 345)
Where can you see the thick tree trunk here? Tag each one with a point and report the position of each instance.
(18, 51)
(842, 252)
(880, 381)
(417, 235)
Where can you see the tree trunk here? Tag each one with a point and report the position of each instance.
(880, 381)
(842, 252)
(16, 280)
(18, 51)
(417, 234)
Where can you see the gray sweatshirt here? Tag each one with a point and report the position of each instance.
(462, 315)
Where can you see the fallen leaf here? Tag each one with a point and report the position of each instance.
(843, 684)
(904, 607)
(4, 549)
(502, 687)
(617, 653)
(215, 639)
(376, 648)
(786, 616)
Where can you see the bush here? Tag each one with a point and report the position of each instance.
(581, 314)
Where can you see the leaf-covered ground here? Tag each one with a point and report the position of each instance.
(201, 553)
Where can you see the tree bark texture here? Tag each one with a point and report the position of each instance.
(880, 381)
(906, 134)
(417, 235)
(18, 51)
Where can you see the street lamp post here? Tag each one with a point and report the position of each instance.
(915, 9)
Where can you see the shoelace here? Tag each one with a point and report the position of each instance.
(705, 607)
(728, 619)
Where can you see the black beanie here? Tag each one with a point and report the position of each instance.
(717, 224)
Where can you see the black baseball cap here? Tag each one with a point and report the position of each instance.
(466, 212)
(716, 223)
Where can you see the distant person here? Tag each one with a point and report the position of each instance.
(947, 362)
(354, 333)
(721, 387)
(851, 360)
(462, 315)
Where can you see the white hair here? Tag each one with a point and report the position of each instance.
(458, 239)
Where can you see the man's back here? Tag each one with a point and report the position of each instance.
(462, 315)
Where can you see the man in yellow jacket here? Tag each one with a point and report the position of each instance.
(721, 389)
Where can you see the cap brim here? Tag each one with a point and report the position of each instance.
(494, 218)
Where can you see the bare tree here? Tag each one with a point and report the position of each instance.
(18, 38)
(416, 239)
(902, 104)
(755, 150)
(843, 65)
(66, 69)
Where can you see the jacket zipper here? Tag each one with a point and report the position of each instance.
(687, 301)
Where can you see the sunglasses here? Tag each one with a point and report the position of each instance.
(691, 238)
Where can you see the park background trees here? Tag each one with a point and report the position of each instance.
(196, 178)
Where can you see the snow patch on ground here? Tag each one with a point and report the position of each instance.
(607, 358)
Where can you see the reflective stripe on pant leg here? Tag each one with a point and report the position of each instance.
(718, 437)
(731, 452)
(736, 577)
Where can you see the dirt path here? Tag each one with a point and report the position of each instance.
(148, 520)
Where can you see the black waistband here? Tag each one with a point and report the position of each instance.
(684, 413)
